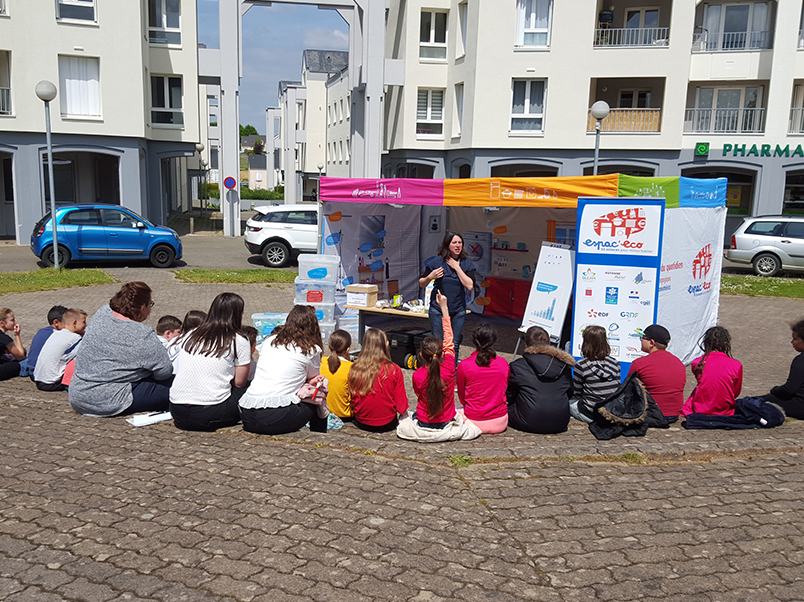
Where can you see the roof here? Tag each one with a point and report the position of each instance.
(284, 84)
(250, 140)
(257, 162)
(325, 61)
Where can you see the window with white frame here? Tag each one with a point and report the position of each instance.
(78, 10)
(79, 86)
(348, 106)
(463, 16)
(527, 105)
(348, 150)
(533, 22)
(433, 36)
(166, 101)
(430, 113)
(164, 22)
(342, 111)
(457, 123)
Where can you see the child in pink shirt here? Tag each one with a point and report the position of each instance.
(719, 376)
(434, 382)
(482, 383)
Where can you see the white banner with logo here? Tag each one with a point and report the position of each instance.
(618, 250)
(689, 281)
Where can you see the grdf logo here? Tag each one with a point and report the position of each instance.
(620, 223)
(630, 315)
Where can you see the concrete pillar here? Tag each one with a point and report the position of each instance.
(228, 118)
(270, 124)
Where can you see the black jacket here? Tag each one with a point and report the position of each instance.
(539, 390)
(629, 412)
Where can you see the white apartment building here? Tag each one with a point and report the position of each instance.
(126, 115)
(504, 87)
(339, 125)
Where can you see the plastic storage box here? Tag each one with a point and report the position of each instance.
(324, 312)
(265, 324)
(319, 267)
(327, 328)
(314, 291)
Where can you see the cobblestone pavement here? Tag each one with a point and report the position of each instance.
(98, 510)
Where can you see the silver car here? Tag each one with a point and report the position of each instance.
(770, 243)
(278, 232)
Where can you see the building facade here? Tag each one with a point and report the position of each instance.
(504, 88)
(126, 116)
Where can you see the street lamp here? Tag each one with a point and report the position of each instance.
(204, 179)
(320, 167)
(199, 147)
(599, 111)
(46, 91)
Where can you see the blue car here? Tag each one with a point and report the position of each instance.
(97, 232)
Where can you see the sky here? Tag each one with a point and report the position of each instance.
(274, 38)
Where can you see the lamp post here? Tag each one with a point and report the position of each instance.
(599, 111)
(320, 167)
(46, 91)
(199, 147)
(204, 179)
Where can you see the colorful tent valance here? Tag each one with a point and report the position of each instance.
(523, 192)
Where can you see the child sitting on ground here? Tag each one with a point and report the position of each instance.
(54, 320)
(434, 382)
(482, 380)
(662, 373)
(192, 319)
(597, 374)
(335, 369)
(251, 334)
(167, 329)
(12, 353)
(719, 376)
(59, 349)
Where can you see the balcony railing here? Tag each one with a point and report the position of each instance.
(796, 121)
(5, 101)
(724, 120)
(628, 120)
(706, 41)
(624, 37)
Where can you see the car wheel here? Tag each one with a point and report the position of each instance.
(49, 260)
(162, 257)
(276, 254)
(766, 264)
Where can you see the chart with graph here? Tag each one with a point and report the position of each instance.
(551, 289)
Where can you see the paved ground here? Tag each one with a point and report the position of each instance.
(97, 510)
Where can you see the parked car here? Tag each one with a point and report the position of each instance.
(770, 243)
(98, 232)
(280, 232)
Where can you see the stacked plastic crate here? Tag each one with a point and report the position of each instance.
(315, 286)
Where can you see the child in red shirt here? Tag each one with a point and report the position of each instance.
(376, 386)
(434, 382)
(662, 373)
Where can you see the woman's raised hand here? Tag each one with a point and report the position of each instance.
(453, 263)
(437, 273)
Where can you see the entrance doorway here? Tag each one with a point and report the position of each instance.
(7, 218)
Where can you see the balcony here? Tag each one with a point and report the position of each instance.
(5, 101)
(705, 41)
(724, 121)
(629, 37)
(628, 120)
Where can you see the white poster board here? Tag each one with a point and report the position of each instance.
(551, 290)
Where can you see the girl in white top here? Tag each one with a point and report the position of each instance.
(287, 391)
(211, 369)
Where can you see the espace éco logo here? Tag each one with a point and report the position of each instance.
(618, 225)
(701, 266)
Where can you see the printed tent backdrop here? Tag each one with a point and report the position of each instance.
(526, 210)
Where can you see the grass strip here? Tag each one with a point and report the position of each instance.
(754, 286)
(49, 279)
(235, 276)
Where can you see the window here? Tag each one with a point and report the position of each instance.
(82, 217)
(766, 228)
(78, 10)
(463, 8)
(79, 86)
(348, 150)
(119, 219)
(348, 106)
(2, 7)
(527, 105)
(430, 113)
(634, 99)
(166, 101)
(795, 230)
(457, 123)
(341, 111)
(737, 26)
(163, 22)
(5, 82)
(729, 110)
(433, 37)
(533, 22)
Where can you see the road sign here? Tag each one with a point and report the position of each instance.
(230, 183)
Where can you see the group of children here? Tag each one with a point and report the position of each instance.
(216, 382)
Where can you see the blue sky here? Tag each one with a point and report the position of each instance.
(274, 38)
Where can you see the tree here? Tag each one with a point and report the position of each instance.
(248, 130)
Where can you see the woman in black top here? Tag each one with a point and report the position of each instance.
(454, 276)
(790, 396)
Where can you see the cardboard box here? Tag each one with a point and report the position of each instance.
(362, 295)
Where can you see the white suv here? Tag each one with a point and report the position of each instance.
(770, 242)
(280, 231)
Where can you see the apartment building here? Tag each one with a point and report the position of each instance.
(126, 115)
(504, 88)
(339, 125)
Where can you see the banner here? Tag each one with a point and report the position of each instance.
(689, 282)
(655, 188)
(377, 244)
(619, 249)
(402, 191)
(527, 192)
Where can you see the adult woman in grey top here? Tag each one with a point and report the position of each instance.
(122, 367)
